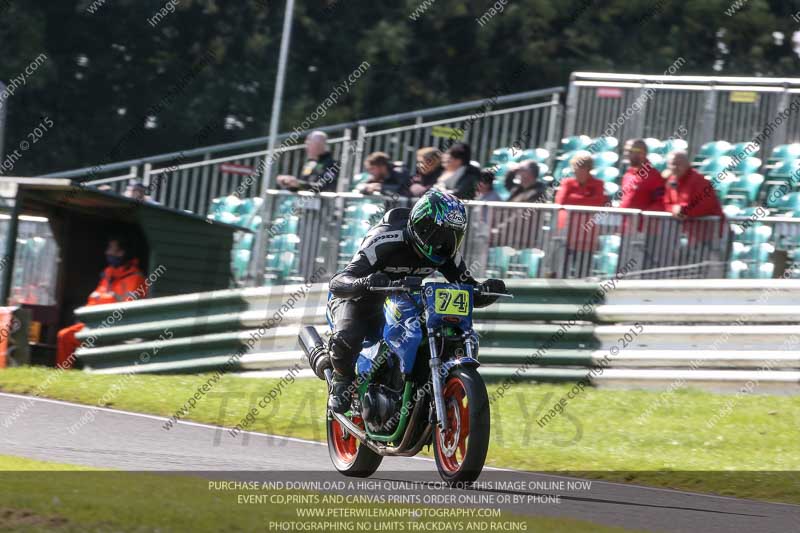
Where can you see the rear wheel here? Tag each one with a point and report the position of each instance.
(348, 455)
(460, 449)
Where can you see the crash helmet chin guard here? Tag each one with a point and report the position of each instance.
(436, 226)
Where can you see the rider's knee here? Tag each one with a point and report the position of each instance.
(344, 345)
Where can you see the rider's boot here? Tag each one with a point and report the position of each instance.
(341, 393)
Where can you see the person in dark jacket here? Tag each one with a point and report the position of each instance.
(320, 172)
(406, 242)
(460, 177)
(530, 189)
(429, 168)
(383, 178)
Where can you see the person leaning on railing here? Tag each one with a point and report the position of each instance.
(320, 172)
(583, 189)
(690, 195)
(429, 168)
(383, 178)
(529, 189)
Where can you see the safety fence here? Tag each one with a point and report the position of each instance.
(508, 240)
(704, 108)
(711, 333)
(192, 178)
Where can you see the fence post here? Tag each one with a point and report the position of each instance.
(780, 135)
(551, 142)
(343, 183)
(148, 167)
(572, 108)
(709, 116)
(638, 117)
(359, 151)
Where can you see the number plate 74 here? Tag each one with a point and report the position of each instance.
(451, 302)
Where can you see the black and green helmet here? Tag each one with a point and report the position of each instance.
(437, 225)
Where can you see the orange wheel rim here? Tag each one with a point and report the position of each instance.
(452, 447)
(345, 444)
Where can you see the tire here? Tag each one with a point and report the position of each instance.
(348, 455)
(461, 453)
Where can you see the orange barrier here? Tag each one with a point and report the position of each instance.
(6, 318)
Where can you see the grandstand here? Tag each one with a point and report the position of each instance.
(722, 122)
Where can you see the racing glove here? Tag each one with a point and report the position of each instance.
(490, 285)
(374, 280)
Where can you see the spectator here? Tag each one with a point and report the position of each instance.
(136, 190)
(690, 195)
(320, 173)
(486, 192)
(530, 189)
(118, 283)
(460, 177)
(383, 178)
(429, 168)
(642, 185)
(584, 190)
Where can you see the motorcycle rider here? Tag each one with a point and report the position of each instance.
(406, 242)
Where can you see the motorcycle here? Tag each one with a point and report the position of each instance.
(416, 384)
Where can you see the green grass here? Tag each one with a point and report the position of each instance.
(51, 497)
(747, 453)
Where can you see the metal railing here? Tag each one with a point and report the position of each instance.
(310, 232)
(190, 179)
(707, 107)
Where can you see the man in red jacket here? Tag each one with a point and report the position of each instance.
(583, 189)
(642, 185)
(689, 195)
(121, 281)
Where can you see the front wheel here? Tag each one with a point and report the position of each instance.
(348, 455)
(461, 448)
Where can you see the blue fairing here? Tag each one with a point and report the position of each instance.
(401, 332)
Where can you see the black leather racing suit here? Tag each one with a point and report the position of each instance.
(355, 311)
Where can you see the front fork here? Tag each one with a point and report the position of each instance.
(436, 375)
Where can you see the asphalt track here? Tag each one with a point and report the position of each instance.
(133, 441)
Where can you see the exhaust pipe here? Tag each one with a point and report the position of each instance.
(314, 348)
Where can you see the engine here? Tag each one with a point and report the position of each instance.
(379, 407)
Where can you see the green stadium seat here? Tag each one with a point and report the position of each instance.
(530, 259)
(605, 263)
(658, 161)
(673, 145)
(784, 152)
(607, 174)
(749, 165)
(784, 170)
(284, 243)
(712, 150)
(723, 182)
(654, 146)
(605, 159)
(610, 188)
(749, 185)
(604, 144)
(609, 243)
(575, 143)
(540, 155)
(744, 150)
(241, 260)
(499, 260)
(500, 156)
(714, 165)
(731, 210)
(358, 179)
(755, 234)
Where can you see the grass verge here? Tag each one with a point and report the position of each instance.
(743, 446)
